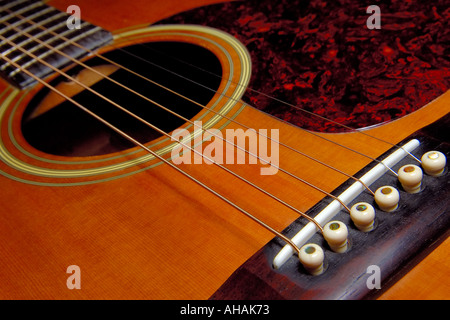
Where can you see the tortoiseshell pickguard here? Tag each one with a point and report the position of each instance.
(320, 56)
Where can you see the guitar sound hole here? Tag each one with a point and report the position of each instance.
(56, 126)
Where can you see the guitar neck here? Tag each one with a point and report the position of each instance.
(38, 22)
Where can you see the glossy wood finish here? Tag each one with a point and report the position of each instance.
(157, 235)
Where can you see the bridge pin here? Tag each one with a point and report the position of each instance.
(387, 198)
(433, 163)
(410, 176)
(363, 216)
(312, 256)
(336, 233)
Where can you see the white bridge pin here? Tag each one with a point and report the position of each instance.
(433, 163)
(336, 233)
(312, 256)
(410, 176)
(387, 198)
(363, 216)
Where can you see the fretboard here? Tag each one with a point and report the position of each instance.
(28, 24)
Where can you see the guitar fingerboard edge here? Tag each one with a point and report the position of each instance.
(33, 32)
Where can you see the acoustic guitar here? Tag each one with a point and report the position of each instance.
(144, 156)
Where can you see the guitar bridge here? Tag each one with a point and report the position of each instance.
(399, 239)
(331, 210)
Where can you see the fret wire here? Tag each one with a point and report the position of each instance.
(47, 53)
(12, 4)
(137, 143)
(40, 46)
(19, 22)
(43, 32)
(20, 11)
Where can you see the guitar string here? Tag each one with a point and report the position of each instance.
(278, 100)
(157, 104)
(167, 110)
(231, 98)
(258, 157)
(149, 100)
(287, 240)
(209, 109)
(178, 141)
(137, 143)
(307, 131)
(234, 99)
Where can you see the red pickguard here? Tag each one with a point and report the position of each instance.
(321, 56)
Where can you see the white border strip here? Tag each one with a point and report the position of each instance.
(346, 197)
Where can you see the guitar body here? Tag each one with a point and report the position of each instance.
(137, 228)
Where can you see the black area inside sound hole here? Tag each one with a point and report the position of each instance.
(68, 131)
